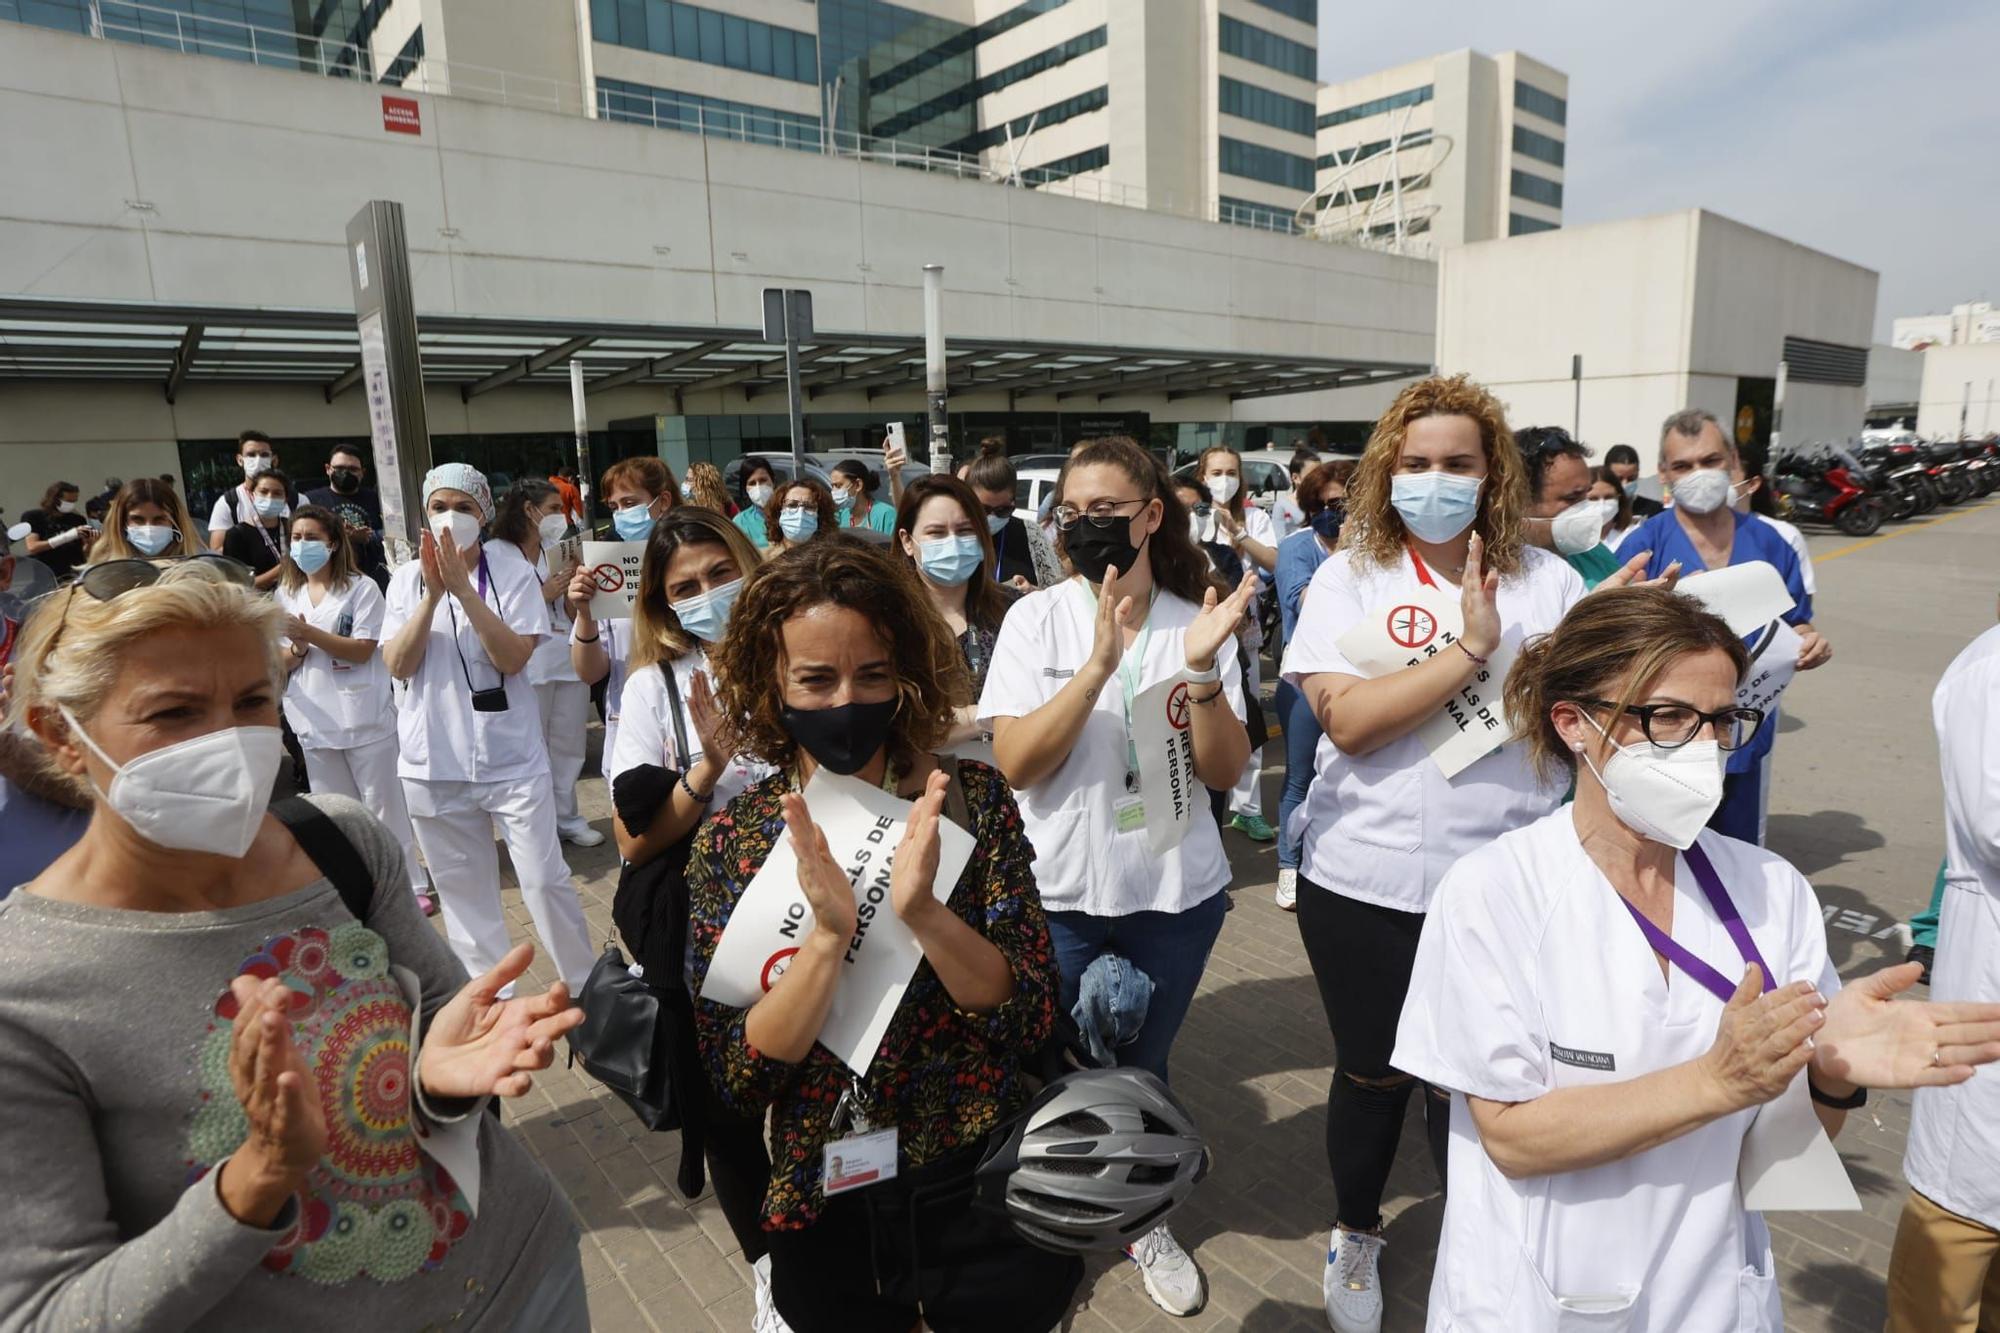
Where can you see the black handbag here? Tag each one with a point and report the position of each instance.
(616, 1043)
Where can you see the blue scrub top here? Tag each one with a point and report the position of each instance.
(1299, 558)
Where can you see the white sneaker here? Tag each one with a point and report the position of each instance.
(1288, 890)
(582, 836)
(1352, 1283)
(1172, 1277)
(767, 1319)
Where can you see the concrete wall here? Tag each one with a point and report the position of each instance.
(1895, 376)
(1961, 382)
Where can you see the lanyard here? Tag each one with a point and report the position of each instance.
(1131, 668)
(1423, 571)
(1732, 921)
(273, 547)
(451, 611)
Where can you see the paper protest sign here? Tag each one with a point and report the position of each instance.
(1413, 628)
(1163, 739)
(1747, 597)
(863, 826)
(614, 569)
(1774, 662)
(1787, 1163)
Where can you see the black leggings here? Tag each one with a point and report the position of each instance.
(739, 1168)
(1361, 957)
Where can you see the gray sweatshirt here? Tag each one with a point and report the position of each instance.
(116, 1108)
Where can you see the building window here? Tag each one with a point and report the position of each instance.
(1362, 152)
(1546, 105)
(1269, 49)
(689, 32)
(959, 43)
(1363, 110)
(663, 108)
(1249, 213)
(1062, 168)
(1264, 106)
(1067, 109)
(1538, 146)
(1361, 194)
(407, 59)
(1537, 189)
(967, 94)
(1273, 166)
(1524, 226)
(1305, 11)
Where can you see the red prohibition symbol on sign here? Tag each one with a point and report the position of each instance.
(1412, 626)
(608, 578)
(1177, 707)
(775, 966)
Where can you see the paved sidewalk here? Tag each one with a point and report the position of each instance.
(1855, 806)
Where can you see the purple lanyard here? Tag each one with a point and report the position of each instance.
(1732, 921)
(482, 573)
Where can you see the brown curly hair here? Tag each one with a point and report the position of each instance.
(1374, 529)
(829, 520)
(838, 570)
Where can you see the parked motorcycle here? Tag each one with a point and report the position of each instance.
(1823, 487)
(1900, 478)
(1950, 473)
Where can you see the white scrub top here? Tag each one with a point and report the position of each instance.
(1286, 515)
(550, 664)
(1954, 1150)
(221, 520)
(646, 731)
(1530, 976)
(1082, 862)
(1797, 541)
(332, 704)
(1382, 828)
(442, 738)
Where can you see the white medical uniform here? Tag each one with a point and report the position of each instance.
(221, 520)
(343, 714)
(560, 694)
(1286, 515)
(1613, 538)
(647, 736)
(1248, 796)
(616, 636)
(1531, 975)
(1082, 862)
(1383, 827)
(1797, 541)
(1953, 1157)
(464, 771)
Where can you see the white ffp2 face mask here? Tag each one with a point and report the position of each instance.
(464, 528)
(208, 794)
(550, 529)
(1580, 527)
(1222, 488)
(1664, 795)
(1702, 492)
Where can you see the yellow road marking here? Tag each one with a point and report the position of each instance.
(1865, 542)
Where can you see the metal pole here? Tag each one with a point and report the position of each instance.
(934, 372)
(1778, 407)
(1576, 377)
(795, 399)
(581, 414)
(391, 371)
(1964, 407)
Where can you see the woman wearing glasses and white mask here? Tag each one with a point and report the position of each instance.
(459, 630)
(1432, 582)
(1083, 745)
(1613, 994)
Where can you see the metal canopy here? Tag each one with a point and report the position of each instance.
(178, 345)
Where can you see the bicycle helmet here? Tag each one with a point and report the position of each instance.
(1098, 1159)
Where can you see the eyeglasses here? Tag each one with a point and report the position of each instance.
(1671, 726)
(1102, 513)
(114, 578)
(339, 470)
(1002, 510)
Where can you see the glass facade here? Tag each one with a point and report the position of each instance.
(888, 64)
(1546, 105)
(1520, 226)
(1362, 152)
(1090, 159)
(280, 33)
(1537, 189)
(643, 104)
(1236, 98)
(689, 32)
(899, 126)
(1067, 109)
(1271, 165)
(1363, 110)
(958, 43)
(1249, 213)
(1305, 11)
(1268, 49)
(1538, 146)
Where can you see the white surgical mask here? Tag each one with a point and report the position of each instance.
(1664, 795)
(1580, 527)
(997, 523)
(552, 527)
(256, 463)
(464, 528)
(147, 539)
(759, 493)
(1435, 506)
(208, 794)
(65, 506)
(1702, 492)
(1222, 488)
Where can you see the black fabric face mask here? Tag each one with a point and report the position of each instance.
(844, 738)
(345, 483)
(1093, 549)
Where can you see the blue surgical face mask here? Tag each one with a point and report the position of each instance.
(311, 556)
(950, 560)
(1435, 506)
(149, 540)
(843, 500)
(687, 490)
(797, 524)
(706, 615)
(634, 524)
(1328, 520)
(997, 523)
(269, 506)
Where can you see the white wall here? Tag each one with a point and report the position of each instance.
(1947, 373)
(1895, 375)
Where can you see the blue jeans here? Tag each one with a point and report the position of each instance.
(1170, 947)
(1302, 735)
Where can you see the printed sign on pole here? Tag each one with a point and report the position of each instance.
(614, 568)
(1774, 662)
(1163, 738)
(1417, 626)
(863, 826)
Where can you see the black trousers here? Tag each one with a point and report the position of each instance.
(739, 1168)
(1361, 957)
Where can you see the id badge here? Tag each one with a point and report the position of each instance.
(859, 1160)
(1131, 815)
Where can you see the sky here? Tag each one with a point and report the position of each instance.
(1870, 131)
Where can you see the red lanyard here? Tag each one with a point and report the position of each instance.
(1423, 573)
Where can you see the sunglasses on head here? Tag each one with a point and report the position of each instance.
(114, 578)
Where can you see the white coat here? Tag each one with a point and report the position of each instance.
(1532, 976)
(334, 704)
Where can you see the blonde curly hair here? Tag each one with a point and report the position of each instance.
(1374, 529)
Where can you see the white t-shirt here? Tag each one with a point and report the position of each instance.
(1286, 515)
(221, 520)
(1382, 827)
(1797, 541)
(332, 704)
(1531, 976)
(443, 739)
(1082, 862)
(550, 665)
(646, 731)
(1617, 535)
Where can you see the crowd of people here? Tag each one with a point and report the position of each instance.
(1520, 826)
